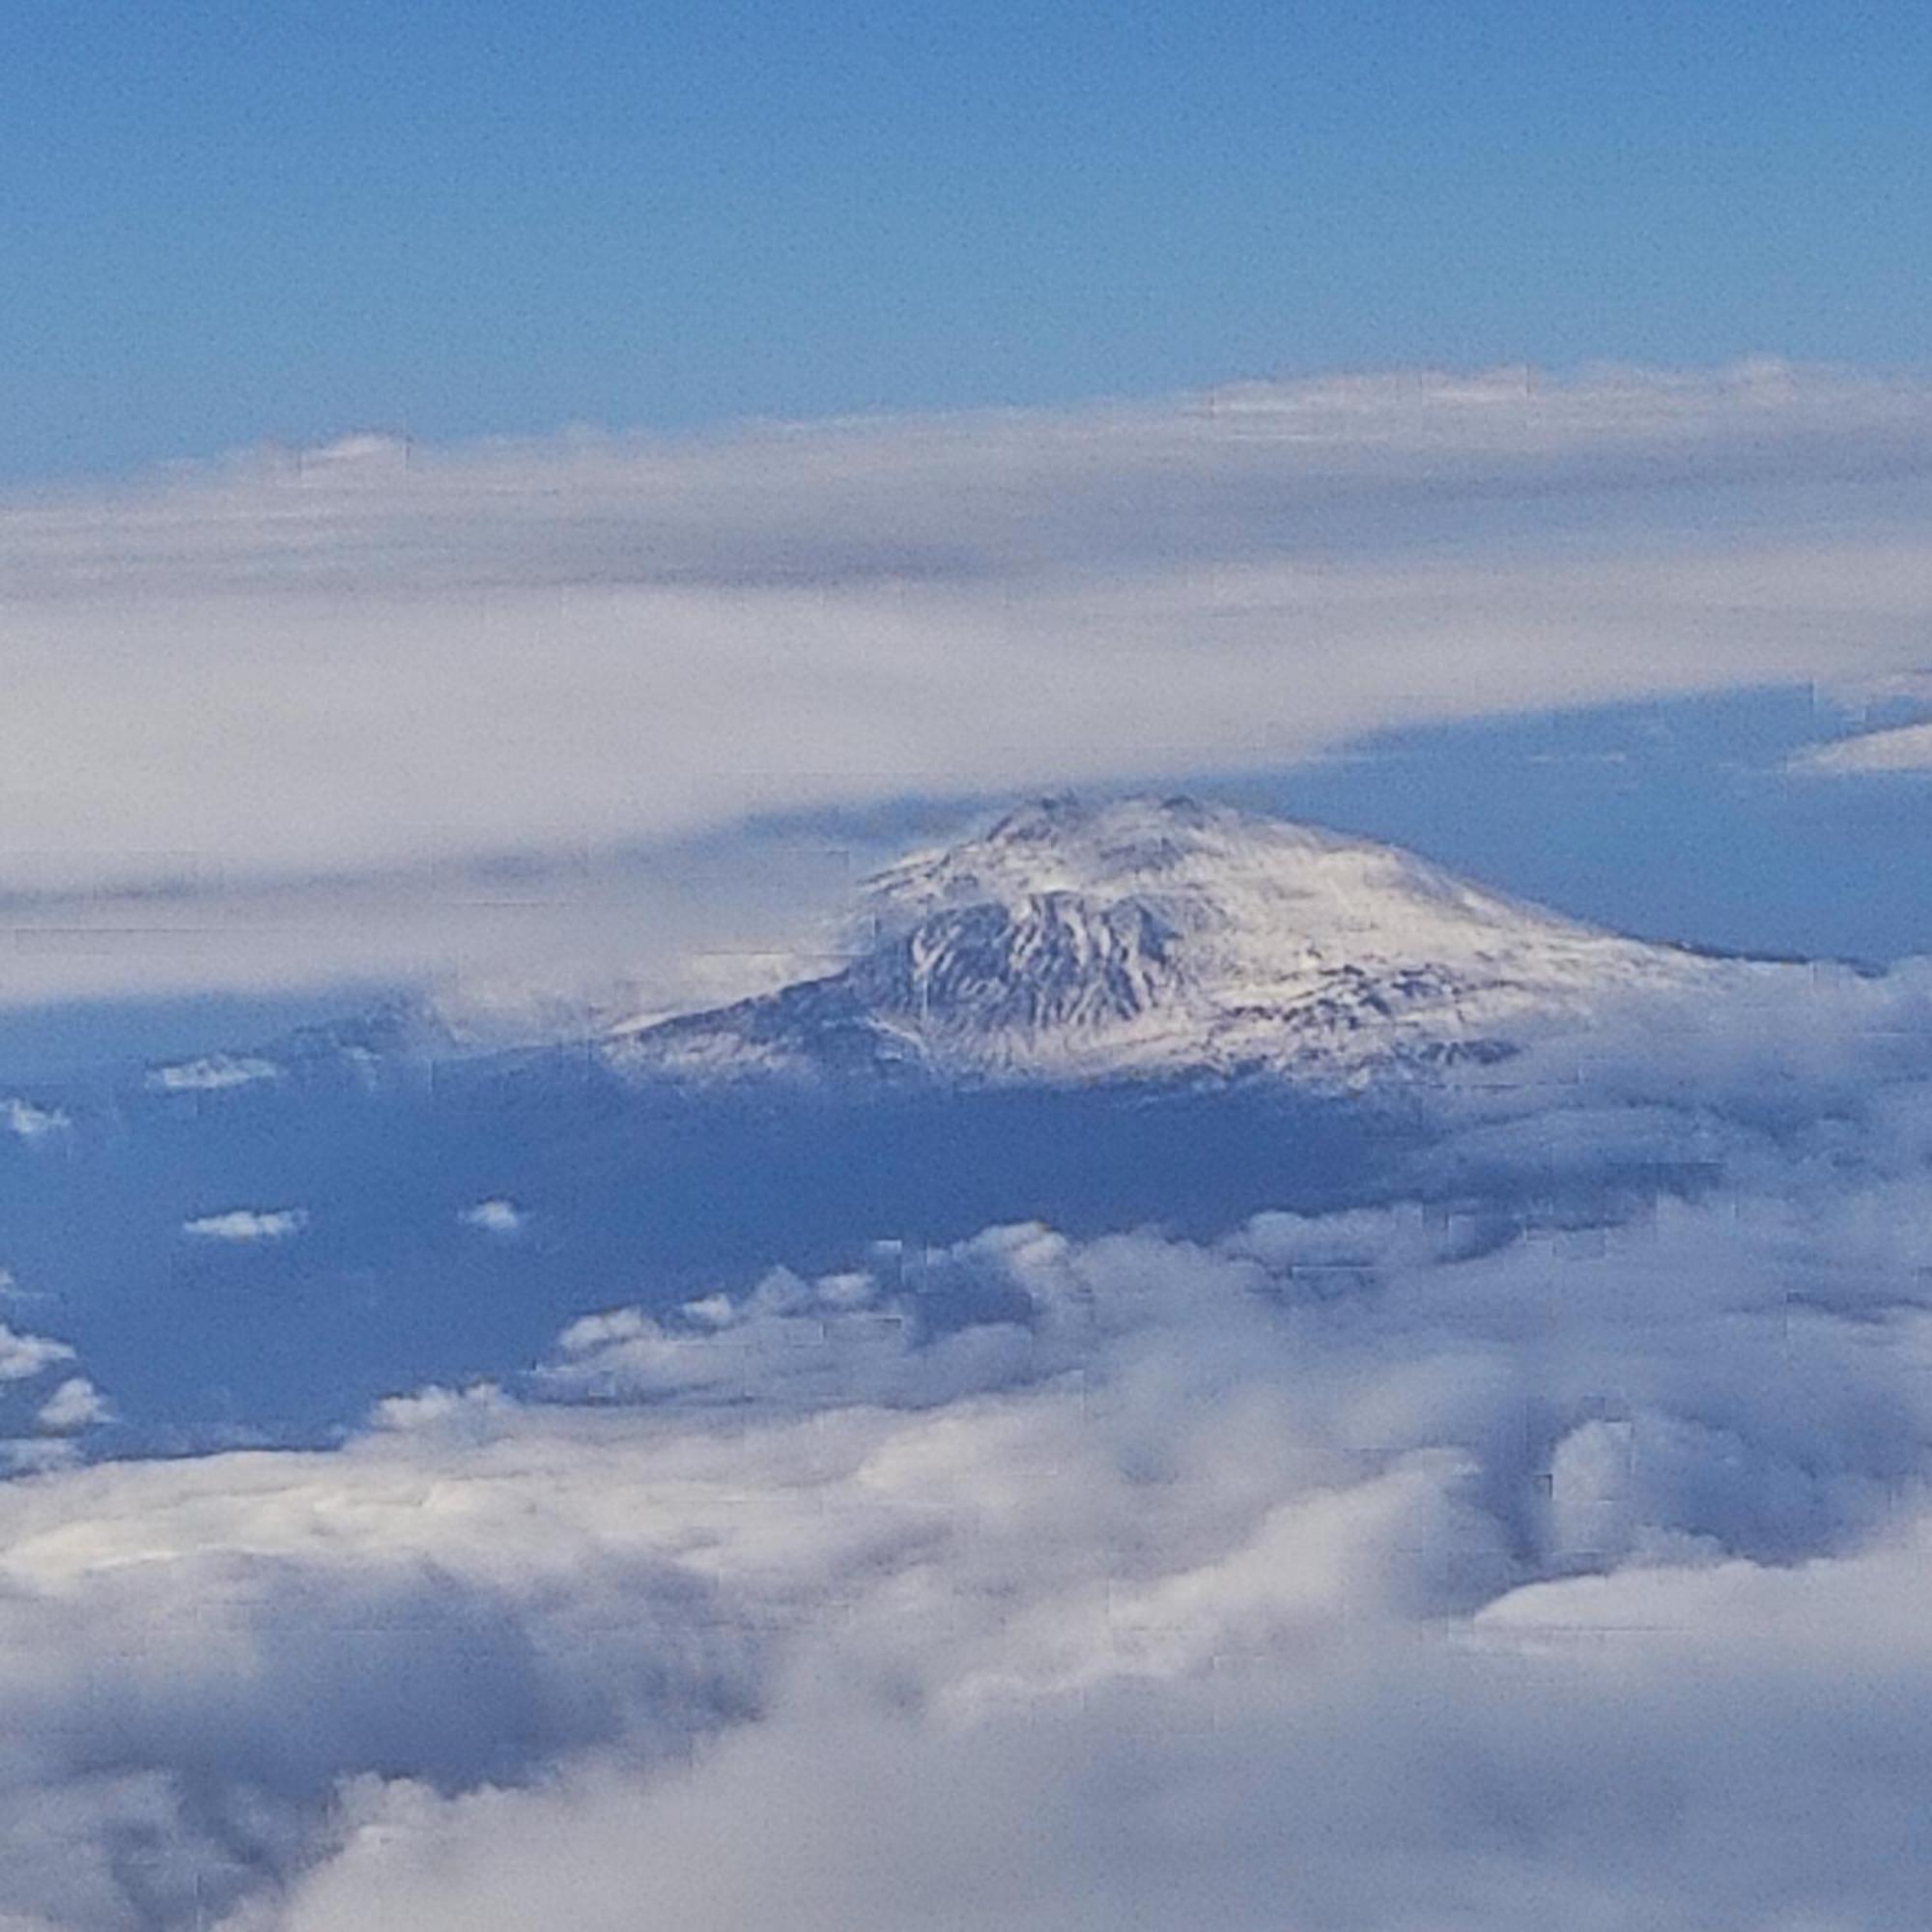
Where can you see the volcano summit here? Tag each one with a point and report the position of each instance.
(1167, 938)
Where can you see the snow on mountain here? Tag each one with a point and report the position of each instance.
(1169, 938)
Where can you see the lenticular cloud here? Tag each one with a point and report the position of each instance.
(1402, 1568)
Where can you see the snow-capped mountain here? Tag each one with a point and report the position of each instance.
(1169, 938)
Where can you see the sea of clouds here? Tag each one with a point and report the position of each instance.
(1457, 1561)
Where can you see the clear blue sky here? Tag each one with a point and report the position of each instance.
(227, 221)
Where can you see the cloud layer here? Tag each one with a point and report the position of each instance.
(1460, 1566)
(371, 660)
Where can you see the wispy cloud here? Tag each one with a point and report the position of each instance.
(27, 1122)
(247, 1224)
(1896, 749)
(213, 1073)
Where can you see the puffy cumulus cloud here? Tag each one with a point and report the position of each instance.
(194, 1663)
(555, 648)
(22, 1357)
(1743, 1372)
(1312, 1596)
(75, 1404)
(1237, 1618)
(40, 1423)
(189, 1710)
(1398, 1569)
(1680, 1779)
(790, 1342)
(1774, 1075)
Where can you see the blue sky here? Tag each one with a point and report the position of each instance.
(223, 223)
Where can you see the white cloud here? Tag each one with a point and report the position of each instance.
(543, 946)
(1900, 748)
(1225, 1596)
(75, 1404)
(1680, 1776)
(213, 1073)
(26, 1122)
(1388, 1564)
(1158, 1642)
(495, 1217)
(247, 1224)
(25, 1356)
(562, 647)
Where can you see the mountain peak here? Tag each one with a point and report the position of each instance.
(1060, 815)
(1211, 865)
(1168, 936)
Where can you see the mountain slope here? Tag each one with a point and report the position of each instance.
(1167, 938)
